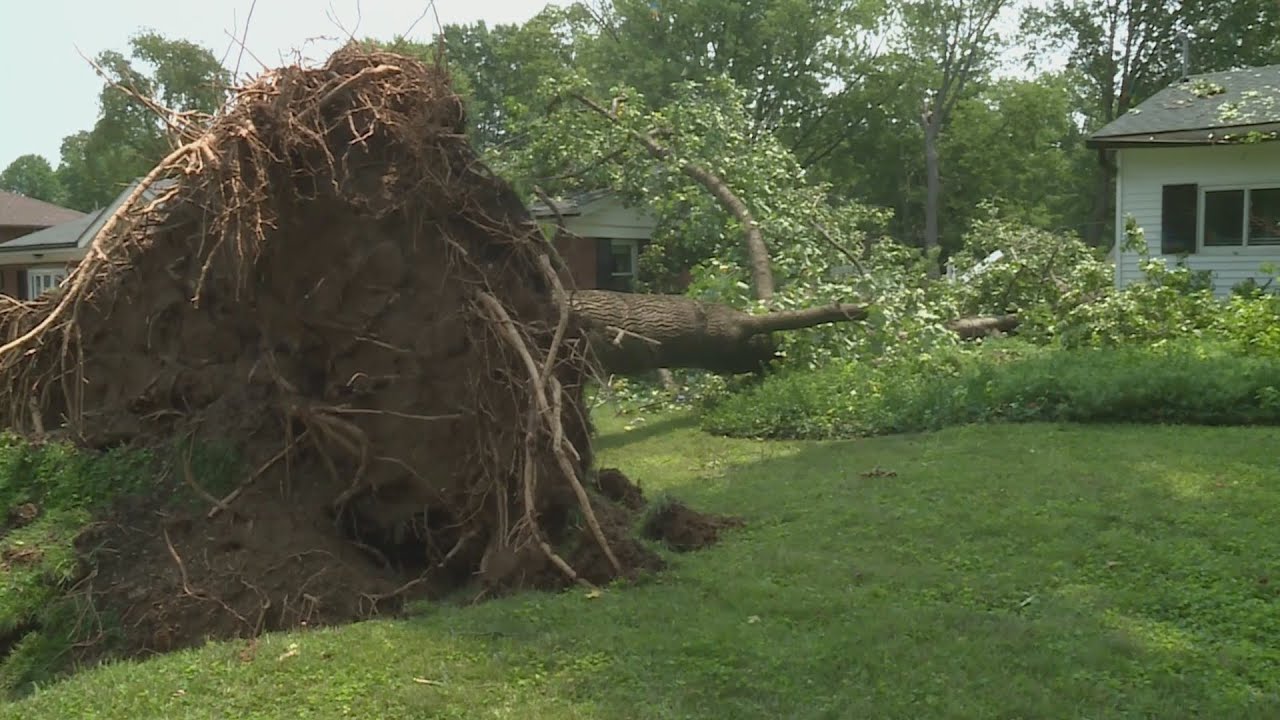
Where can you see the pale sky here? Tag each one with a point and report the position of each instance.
(47, 91)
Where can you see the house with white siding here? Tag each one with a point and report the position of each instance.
(1198, 169)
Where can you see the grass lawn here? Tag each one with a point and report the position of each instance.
(1015, 571)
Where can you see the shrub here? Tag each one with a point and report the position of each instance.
(1178, 383)
(1040, 272)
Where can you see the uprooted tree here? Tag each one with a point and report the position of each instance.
(326, 277)
(720, 175)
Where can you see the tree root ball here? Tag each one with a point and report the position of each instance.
(329, 285)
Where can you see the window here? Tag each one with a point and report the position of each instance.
(617, 260)
(624, 259)
(42, 280)
(1264, 216)
(1240, 217)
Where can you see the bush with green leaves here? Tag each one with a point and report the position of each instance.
(1040, 273)
(1251, 323)
(1180, 382)
(1171, 302)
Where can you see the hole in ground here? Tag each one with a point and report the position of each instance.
(10, 640)
(411, 545)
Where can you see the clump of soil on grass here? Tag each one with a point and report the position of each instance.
(20, 516)
(682, 529)
(326, 277)
(672, 523)
(618, 487)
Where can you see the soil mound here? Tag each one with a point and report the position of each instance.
(618, 487)
(326, 277)
(682, 529)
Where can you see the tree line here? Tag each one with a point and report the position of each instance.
(923, 113)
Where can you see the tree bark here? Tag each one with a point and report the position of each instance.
(634, 333)
(1102, 202)
(971, 328)
(933, 187)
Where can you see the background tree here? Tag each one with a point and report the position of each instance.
(957, 43)
(1124, 50)
(1227, 34)
(1020, 144)
(793, 59)
(500, 67)
(128, 138)
(33, 176)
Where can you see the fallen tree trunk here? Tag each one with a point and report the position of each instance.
(971, 328)
(636, 333)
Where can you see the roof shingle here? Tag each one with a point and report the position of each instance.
(1209, 102)
(84, 227)
(21, 211)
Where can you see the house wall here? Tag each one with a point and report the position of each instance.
(1143, 172)
(606, 219)
(13, 276)
(579, 255)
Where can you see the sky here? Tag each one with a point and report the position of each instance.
(49, 91)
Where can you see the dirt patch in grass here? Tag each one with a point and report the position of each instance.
(12, 557)
(683, 529)
(671, 522)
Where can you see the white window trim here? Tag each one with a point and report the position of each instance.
(1246, 248)
(58, 275)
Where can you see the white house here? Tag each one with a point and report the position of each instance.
(1198, 169)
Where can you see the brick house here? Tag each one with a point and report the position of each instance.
(25, 267)
(601, 247)
(39, 261)
(604, 238)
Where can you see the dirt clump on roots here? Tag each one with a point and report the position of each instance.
(683, 529)
(324, 276)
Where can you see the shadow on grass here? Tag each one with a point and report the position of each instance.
(612, 439)
(984, 572)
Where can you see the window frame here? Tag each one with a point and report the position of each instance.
(57, 273)
(1248, 189)
(633, 247)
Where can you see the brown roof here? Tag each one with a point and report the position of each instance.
(21, 211)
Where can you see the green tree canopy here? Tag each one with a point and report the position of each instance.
(33, 176)
(129, 138)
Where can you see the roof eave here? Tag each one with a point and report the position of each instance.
(545, 212)
(39, 248)
(1190, 137)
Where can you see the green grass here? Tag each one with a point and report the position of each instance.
(1009, 571)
